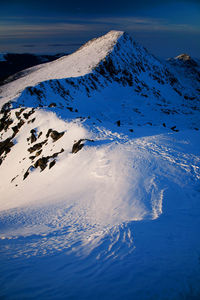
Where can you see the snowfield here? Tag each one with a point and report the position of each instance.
(100, 177)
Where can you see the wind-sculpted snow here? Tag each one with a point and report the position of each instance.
(125, 206)
(111, 181)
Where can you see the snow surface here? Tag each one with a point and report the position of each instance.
(120, 218)
(77, 64)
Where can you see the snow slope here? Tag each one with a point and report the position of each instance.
(77, 64)
(100, 169)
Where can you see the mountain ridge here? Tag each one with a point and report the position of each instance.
(123, 61)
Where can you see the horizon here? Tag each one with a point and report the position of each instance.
(166, 29)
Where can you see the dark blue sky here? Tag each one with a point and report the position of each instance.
(167, 28)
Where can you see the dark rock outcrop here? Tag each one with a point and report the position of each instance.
(55, 135)
(174, 128)
(17, 127)
(6, 146)
(52, 163)
(37, 146)
(79, 145)
(56, 154)
(5, 121)
(33, 137)
(42, 163)
(118, 123)
(27, 115)
(52, 104)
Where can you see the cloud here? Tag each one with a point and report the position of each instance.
(40, 30)
(64, 45)
(146, 24)
(75, 26)
(29, 46)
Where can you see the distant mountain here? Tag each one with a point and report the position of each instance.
(11, 63)
(99, 160)
(187, 69)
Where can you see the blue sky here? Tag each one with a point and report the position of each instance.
(167, 28)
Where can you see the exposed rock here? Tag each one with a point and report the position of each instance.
(38, 152)
(39, 135)
(42, 163)
(37, 146)
(6, 146)
(14, 178)
(48, 132)
(5, 108)
(32, 157)
(31, 121)
(17, 127)
(52, 163)
(26, 174)
(27, 115)
(79, 145)
(55, 135)
(52, 104)
(174, 128)
(5, 122)
(18, 113)
(118, 123)
(33, 137)
(56, 154)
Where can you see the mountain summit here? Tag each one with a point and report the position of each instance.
(109, 60)
(183, 57)
(77, 64)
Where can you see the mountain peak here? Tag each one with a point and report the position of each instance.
(104, 42)
(184, 57)
(79, 63)
(183, 60)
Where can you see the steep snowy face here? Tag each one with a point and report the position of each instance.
(114, 56)
(78, 64)
(187, 70)
(113, 66)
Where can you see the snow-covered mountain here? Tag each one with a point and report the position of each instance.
(188, 70)
(13, 63)
(99, 156)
